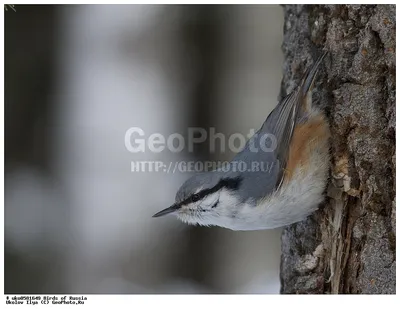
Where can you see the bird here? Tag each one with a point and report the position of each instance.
(288, 192)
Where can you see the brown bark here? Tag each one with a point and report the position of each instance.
(348, 246)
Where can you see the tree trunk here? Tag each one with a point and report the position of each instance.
(348, 245)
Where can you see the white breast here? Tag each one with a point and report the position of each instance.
(293, 202)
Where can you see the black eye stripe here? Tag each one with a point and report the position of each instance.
(195, 197)
(229, 183)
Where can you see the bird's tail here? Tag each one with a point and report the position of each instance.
(310, 74)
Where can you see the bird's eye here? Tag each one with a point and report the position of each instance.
(195, 197)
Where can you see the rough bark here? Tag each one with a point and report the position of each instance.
(348, 245)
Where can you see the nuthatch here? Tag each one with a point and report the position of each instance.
(289, 192)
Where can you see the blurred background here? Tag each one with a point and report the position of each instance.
(77, 220)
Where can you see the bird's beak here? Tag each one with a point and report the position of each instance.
(168, 210)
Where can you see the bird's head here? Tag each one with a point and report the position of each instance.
(205, 199)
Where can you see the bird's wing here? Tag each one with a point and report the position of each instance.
(281, 123)
(282, 120)
(284, 124)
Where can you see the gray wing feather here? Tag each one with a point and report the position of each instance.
(284, 125)
(281, 123)
(287, 113)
